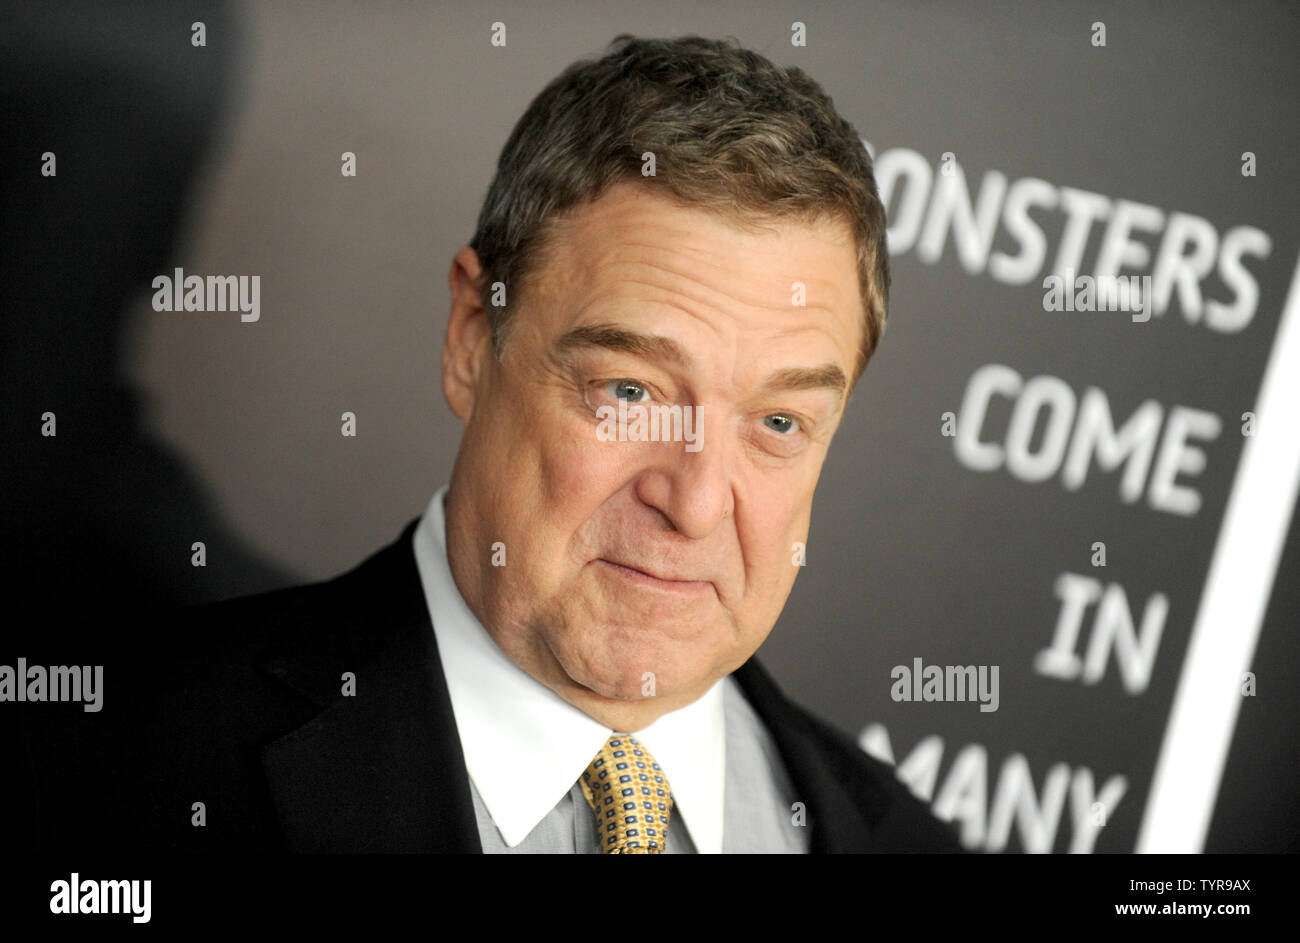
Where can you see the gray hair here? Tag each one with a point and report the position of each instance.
(730, 131)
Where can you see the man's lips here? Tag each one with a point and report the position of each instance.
(650, 580)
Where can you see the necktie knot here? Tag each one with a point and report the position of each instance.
(630, 797)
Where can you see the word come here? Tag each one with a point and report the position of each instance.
(1078, 431)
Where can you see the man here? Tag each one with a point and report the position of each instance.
(678, 275)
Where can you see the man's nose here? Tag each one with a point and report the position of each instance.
(693, 489)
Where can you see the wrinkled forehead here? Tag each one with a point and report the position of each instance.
(637, 255)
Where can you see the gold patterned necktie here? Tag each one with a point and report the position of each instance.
(630, 797)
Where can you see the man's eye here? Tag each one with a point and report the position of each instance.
(628, 390)
(781, 423)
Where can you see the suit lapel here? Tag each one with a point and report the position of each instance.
(840, 821)
(381, 770)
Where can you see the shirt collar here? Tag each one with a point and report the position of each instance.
(525, 746)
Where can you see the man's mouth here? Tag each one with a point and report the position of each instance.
(657, 581)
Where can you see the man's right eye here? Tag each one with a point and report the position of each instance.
(629, 390)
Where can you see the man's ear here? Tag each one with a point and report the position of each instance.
(469, 336)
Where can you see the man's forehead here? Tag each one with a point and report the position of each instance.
(634, 246)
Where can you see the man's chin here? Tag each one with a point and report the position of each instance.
(642, 679)
(622, 664)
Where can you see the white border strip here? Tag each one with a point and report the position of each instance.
(1233, 604)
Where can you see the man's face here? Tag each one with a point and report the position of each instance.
(638, 573)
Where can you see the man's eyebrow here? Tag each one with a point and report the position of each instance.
(609, 337)
(827, 376)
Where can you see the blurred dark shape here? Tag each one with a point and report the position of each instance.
(98, 521)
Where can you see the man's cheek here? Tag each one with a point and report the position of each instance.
(789, 556)
(583, 466)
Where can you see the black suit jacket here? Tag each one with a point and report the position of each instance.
(243, 713)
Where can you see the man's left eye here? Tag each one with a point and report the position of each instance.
(781, 423)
